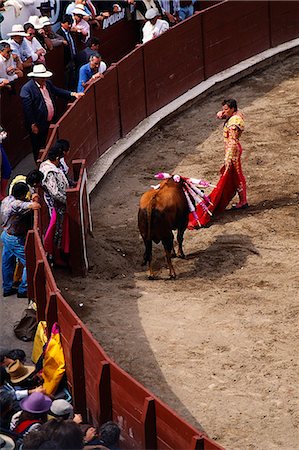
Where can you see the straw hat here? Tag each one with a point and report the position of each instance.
(18, 372)
(36, 403)
(17, 30)
(35, 21)
(79, 9)
(6, 442)
(39, 71)
(151, 13)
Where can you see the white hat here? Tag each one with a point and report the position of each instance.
(6, 442)
(35, 21)
(118, 7)
(17, 30)
(151, 13)
(79, 9)
(45, 21)
(39, 71)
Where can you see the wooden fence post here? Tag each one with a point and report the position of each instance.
(197, 443)
(149, 424)
(30, 262)
(40, 290)
(78, 374)
(105, 398)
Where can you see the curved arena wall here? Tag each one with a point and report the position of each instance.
(141, 83)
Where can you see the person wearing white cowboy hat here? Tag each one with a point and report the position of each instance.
(40, 33)
(33, 42)
(79, 24)
(51, 38)
(154, 26)
(20, 46)
(38, 98)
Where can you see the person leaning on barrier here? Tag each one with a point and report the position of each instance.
(38, 98)
(17, 220)
(91, 71)
(154, 26)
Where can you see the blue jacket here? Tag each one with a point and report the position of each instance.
(35, 110)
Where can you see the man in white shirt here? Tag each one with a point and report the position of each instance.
(10, 69)
(154, 26)
(34, 44)
(20, 46)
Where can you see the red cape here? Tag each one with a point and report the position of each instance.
(220, 196)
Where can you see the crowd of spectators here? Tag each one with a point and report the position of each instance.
(30, 419)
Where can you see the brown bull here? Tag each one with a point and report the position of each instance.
(161, 211)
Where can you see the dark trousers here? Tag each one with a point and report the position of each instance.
(39, 140)
(70, 77)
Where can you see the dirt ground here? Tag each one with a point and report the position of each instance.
(220, 343)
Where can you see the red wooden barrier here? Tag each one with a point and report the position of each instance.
(117, 40)
(173, 63)
(78, 210)
(284, 21)
(107, 110)
(131, 85)
(232, 32)
(79, 126)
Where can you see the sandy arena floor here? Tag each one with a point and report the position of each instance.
(220, 343)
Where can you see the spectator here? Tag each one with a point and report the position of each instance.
(10, 65)
(34, 413)
(20, 46)
(70, 52)
(55, 183)
(9, 356)
(34, 44)
(142, 6)
(55, 38)
(38, 97)
(85, 54)
(61, 409)
(8, 407)
(186, 9)
(5, 166)
(33, 180)
(40, 33)
(80, 25)
(109, 435)
(154, 26)
(116, 8)
(19, 373)
(45, 9)
(70, 9)
(17, 221)
(66, 433)
(91, 71)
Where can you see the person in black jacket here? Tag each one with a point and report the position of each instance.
(70, 52)
(38, 98)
